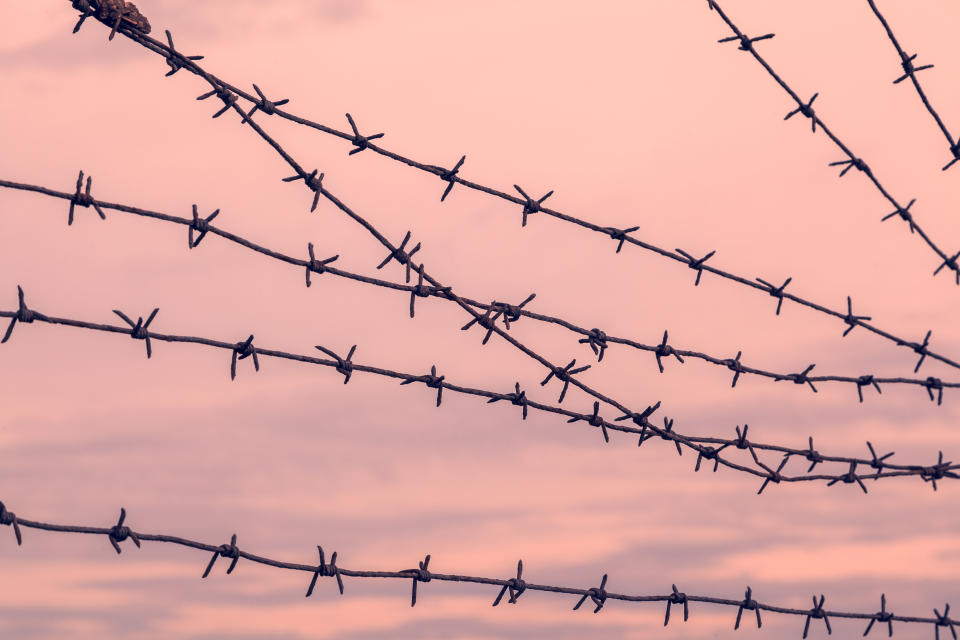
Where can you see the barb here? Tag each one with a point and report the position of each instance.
(706, 447)
(851, 161)
(910, 71)
(452, 177)
(597, 339)
(600, 596)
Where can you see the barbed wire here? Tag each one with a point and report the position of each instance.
(596, 339)
(910, 71)
(176, 61)
(565, 374)
(853, 161)
(706, 448)
(512, 587)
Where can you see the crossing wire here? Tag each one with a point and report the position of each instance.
(595, 338)
(707, 448)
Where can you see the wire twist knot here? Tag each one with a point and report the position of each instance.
(421, 574)
(882, 616)
(450, 175)
(83, 199)
(564, 374)
(359, 141)
(401, 255)
(327, 571)
(344, 365)
(748, 604)
(597, 594)
(228, 550)
(817, 613)
(515, 586)
(241, 350)
(139, 330)
(530, 206)
(676, 598)
(316, 266)
(597, 341)
(120, 532)
(9, 518)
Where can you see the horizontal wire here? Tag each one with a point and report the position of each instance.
(707, 448)
(512, 587)
(853, 161)
(177, 61)
(596, 339)
(910, 71)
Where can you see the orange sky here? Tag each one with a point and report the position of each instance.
(634, 115)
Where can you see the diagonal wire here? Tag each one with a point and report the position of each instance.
(910, 71)
(853, 161)
(597, 339)
(512, 587)
(177, 61)
(706, 448)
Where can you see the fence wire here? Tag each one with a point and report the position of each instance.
(513, 588)
(852, 161)
(402, 256)
(596, 339)
(176, 61)
(707, 448)
(910, 71)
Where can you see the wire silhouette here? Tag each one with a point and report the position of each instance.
(706, 448)
(565, 374)
(176, 61)
(513, 588)
(910, 71)
(852, 161)
(596, 339)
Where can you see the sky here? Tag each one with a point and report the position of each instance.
(634, 115)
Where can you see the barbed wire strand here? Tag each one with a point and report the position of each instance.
(512, 587)
(176, 61)
(706, 448)
(853, 161)
(596, 339)
(910, 71)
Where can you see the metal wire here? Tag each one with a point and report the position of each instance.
(910, 71)
(403, 257)
(512, 587)
(706, 448)
(176, 61)
(596, 339)
(852, 161)
(565, 374)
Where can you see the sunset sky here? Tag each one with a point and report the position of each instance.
(635, 116)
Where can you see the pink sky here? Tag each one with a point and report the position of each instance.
(634, 115)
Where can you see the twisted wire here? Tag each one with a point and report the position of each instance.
(177, 61)
(706, 448)
(852, 161)
(514, 587)
(910, 71)
(596, 339)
